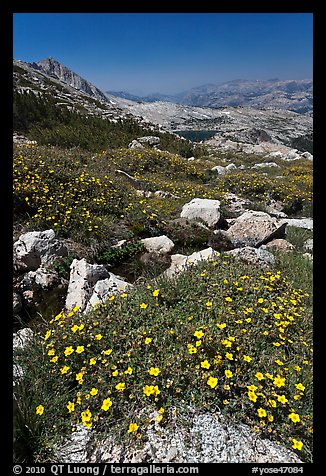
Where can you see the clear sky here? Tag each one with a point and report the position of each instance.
(169, 52)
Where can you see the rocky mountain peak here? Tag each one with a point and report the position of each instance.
(54, 68)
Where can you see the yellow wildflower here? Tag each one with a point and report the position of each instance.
(71, 407)
(297, 445)
(205, 364)
(261, 412)
(212, 382)
(154, 371)
(106, 404)
(69, 350)
(198, 334)
(39, 410)
(294, 417)
(133, 427)
(279, 381)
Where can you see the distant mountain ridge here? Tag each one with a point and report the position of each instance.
(241, 124)
(293, 95)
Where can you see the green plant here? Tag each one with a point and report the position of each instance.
(117, 255)
(62, 265)
(298, 269)
(221, 335)
(298, 236)
(34, 389)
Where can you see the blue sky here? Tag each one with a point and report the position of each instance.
(168, 52)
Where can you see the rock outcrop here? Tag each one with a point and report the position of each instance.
(254, 228)
(35, 248)
(83, 277)
(207, 438)
(53, 68)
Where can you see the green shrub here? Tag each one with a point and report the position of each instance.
(117, 255)
(298, 236)
(50, 124)
(62, 265)
(220, 336)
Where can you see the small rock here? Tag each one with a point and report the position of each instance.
(162, 194)
(149, 140)
(180, 262)
(236, 204)
(308, 256)
(307, 155)
(135, 144)
(75, 447)
(22, 338)
(42, 278)
(220, 241)
(279, 244)
(203, 209)
(276, 155)
(105, 288)
(219, 169)
(255, 256)
(119, 244)
(158, 244)
(309, 245)
(292, 155)
(265, 164)
(307, 223)
(17, 374)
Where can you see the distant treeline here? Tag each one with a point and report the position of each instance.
(44, 121)
(303, 143)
